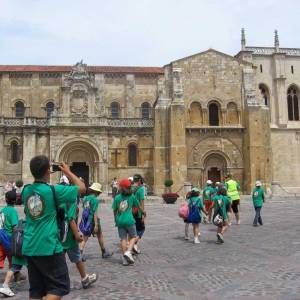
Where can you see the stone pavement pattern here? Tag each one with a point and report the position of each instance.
(253, 263)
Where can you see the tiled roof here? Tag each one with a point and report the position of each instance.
(92, 69)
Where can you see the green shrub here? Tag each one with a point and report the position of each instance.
(168, 182)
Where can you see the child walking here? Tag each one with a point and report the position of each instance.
(222, 206)
(195, 208)
(258, 197)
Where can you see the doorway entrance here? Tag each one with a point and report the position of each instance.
(214, 174)
(81, 169)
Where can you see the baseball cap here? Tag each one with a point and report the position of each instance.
(196, 190)
(125, 183)
(258, 183)
(209, 181)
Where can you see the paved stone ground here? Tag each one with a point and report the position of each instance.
(253, 263)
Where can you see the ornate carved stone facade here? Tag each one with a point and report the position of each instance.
(205, 115)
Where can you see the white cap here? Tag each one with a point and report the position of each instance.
(218, 182)
(64, 179)
(97, 187)
(258, 183)
(209, 181)
(130, 178)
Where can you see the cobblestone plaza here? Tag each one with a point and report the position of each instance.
(253, 263)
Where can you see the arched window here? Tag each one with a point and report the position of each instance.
(145, 110)
(213, 111)
(195, 113)
(20, 109)
(14, 152)
(115, 110)
(49, 108)
(264, 91)
(132, 155)
(292, 103)
(232, 114)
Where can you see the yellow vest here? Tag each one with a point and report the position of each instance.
(232, 190)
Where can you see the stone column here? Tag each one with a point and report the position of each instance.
(130, 93)
(99, 100)
(103, 166)
(29, 151)
(1, 154)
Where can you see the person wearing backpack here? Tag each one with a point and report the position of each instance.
(125, 222)
(90, 221)
(9, 222)
(47, 269)
(139, 214)
(258, 198)
(208, 192)
(222, 205)
(195, 208)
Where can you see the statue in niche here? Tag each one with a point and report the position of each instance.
(196, 155)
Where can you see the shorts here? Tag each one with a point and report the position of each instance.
(3, 255)
(140, 226)
(48, 275)
(235, 206)
(209, 204)
(129, 231)
(74, 254)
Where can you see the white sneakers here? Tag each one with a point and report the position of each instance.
(7, 292)
(129, 257)
(135, 249)
(196, 240)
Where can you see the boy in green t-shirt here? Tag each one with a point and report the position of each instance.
(208, 192)
(91, 202)
(258, 197)
(222, 206)
(47, 269)
(122, 208)
(10, 219)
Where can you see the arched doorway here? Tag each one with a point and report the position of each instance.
(83, 159)
(215, 167)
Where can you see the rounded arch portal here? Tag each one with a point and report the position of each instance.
(215, 166)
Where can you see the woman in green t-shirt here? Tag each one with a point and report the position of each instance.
(258, 197)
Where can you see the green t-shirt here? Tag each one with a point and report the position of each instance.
(139, 195)
(197, 202)
(71, 213)
(122, 205)
(222, 202)
(41, 236)
(9, 218)
(91, 202)
(207, 192)
(258, 197)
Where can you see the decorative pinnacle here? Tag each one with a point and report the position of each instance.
(276, 41)
(243, 39)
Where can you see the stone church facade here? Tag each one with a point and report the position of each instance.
(198, 117)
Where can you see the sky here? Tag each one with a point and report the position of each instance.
(138, 32)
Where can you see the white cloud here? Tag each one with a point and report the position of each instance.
(137, 32)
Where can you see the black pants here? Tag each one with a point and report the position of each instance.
(257, 217)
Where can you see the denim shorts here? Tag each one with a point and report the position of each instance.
(129, 231)
(74, 254)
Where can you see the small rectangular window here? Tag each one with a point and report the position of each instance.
(292, 69)
(261, 69)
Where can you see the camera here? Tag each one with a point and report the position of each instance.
(56, 167)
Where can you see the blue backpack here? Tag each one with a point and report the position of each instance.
(194, 215)
(86, 226)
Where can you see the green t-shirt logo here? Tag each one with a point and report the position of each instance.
(123, 205)
(255, 194)
(2, 220)
(207, 193)
(35, 205)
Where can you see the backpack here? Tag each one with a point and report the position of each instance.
(218, 215)
(135, 209)
(183, 211)
(86, 226)
(17, 240)
(194, 215)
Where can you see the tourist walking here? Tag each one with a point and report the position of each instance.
(233, 188)
(208, 193)
(258, 197)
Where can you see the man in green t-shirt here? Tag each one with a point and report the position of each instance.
(47, 268)
(8, 221)
(258, 197)
(208, 193)
(139, 191)
(122, 208)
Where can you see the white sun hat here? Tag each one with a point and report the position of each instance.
(258, 183)
(97, 187)
(64, 179)
(209, 181)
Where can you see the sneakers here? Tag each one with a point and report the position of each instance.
(135, 249)
(18, 276)
(186, 237)
(7, 292)
(124, 261)
(129, 257)
(106, 254)
(220, 238)
(196, 240)
(90, 279)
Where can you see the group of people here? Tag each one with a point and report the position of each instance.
(219, 204)
(52, 228)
